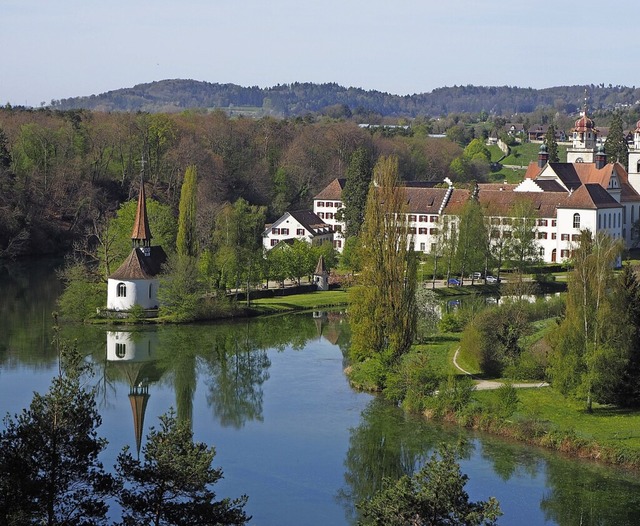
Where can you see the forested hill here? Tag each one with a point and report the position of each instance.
(301, 98)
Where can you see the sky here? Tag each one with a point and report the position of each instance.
(67, 48)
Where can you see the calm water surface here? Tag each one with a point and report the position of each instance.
(271, 396)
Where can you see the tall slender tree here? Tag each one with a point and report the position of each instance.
(356, 187)
(552, 144)
(186, 243)
(383, 314)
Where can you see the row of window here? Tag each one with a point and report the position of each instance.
(422, 219)
(330, 204)
(605, 220)
(326, 215)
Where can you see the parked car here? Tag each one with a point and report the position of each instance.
(453, 282)
(492, 279)
(476, 276)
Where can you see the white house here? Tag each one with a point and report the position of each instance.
(135, 282)
(301, 224)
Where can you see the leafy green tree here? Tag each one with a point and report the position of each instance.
(161, 222)
(186, 242)
(590, 345)
(301, 260)
(472, 238)
(477, 150)
(356, 187)
(552, 144)
(49, 468)
(383, 313)
(615, 146)
(350, 257)
(523, 248)
(434, 496)
(238, 244)
(171, 486)
(181, 288)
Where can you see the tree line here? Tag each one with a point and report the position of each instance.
(61, 172)
(300, 98)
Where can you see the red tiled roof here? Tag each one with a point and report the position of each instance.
(139, 266)
(332, 191)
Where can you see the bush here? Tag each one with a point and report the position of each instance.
(507, 400)
(450, 323)
(412, 383)
(454, 394)
(369, 375)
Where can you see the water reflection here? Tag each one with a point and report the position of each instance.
(534, 486)
(132, 356)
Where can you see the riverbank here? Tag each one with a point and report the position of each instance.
(540, 417)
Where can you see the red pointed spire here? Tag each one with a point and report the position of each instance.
(141, 234)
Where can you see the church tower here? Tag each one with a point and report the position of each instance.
(634, 160)
(135, 283)
(584, 139)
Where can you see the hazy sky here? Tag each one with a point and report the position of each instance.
(57, 49)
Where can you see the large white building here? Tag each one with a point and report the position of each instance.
(586, 192)
(300, 224)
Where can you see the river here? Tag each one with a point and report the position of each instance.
(271, 396)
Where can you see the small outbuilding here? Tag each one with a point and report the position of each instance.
(135, 283)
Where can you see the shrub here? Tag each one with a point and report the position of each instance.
(454, 394)
(507, 400)
(412, 382)
(369, 375)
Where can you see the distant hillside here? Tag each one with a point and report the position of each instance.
(301, 98)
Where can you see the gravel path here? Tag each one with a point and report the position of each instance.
(485, 385)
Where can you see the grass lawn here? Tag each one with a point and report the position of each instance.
(440, 349)
(608, 426)
(313, 300)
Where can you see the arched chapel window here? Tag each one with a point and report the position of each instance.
(121, 290)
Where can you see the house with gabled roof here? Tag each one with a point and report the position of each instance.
(135, 282)
(300, 224)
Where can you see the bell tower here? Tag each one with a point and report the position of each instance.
(584, 139)
(634, 160)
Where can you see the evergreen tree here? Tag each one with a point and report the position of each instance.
(49, 468)
(186, 241)
(552, 144)
(171, 486)
(627, 389)
(383, 313)
(356, 187)
(615, 145)
(434, 496)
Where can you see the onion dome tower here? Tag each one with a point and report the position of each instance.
(584, 138)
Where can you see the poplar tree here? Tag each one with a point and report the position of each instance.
(616, 144)
(186, 242)
(383, 313)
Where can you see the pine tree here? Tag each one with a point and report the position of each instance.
(186, 242)
(171, 486)
(435, 495)
(49, 468)
(552, 144)
(616, 144)
(383, 313)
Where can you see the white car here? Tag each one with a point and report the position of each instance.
(492, 279)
